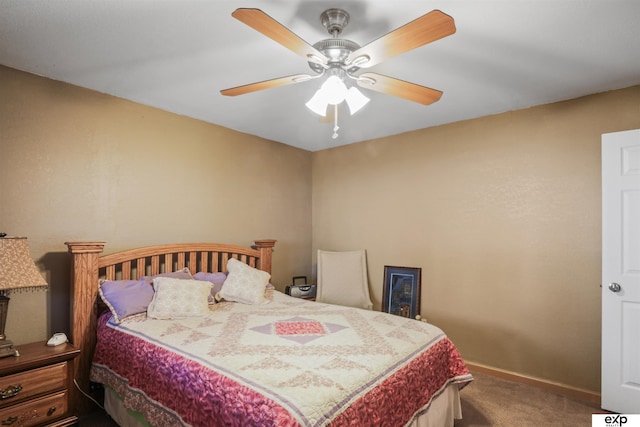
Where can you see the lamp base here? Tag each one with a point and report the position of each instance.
(7, 349)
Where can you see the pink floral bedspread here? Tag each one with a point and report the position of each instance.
(286, 363)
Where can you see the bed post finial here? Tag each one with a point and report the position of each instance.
(84, 292)
(265, 246)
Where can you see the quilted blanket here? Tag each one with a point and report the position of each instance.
(289, 362)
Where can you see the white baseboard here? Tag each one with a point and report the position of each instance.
(573, 392)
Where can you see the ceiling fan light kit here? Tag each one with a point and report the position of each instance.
(333, 92)
(339, 60)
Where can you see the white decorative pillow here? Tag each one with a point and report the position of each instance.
(244, 283)
(175, 298)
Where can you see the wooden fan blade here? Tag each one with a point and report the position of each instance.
(399, 88)
(426, 29)
(260, 21)
(267, 84)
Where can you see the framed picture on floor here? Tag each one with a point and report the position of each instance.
(401, 291)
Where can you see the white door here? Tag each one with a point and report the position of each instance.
(621, 272)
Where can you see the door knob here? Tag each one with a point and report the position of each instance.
(614, 287)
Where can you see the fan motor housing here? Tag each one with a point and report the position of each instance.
(337, 50)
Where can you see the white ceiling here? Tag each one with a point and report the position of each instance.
(177, 55)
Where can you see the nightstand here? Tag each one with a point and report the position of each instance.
(36, 387)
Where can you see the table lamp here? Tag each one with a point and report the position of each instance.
(17, 272)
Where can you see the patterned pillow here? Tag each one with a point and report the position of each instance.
(244, 283)
(216, 278)
(125, 298)
(175, 298)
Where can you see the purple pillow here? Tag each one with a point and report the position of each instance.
(126, 298)
(216, 278)
(180, 274)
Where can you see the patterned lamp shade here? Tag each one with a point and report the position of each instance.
(17, 269)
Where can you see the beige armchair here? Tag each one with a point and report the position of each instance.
(342, 279)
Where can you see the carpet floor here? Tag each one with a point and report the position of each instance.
(493, 401)
(487, 401)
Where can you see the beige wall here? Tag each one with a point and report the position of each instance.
(502, 214)
(79, 165)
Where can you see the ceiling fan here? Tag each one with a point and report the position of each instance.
(341, 59)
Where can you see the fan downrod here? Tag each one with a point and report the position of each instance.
(335, 49)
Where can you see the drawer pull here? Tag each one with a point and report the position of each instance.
(9, 421)
(10, 391)
(51, 411)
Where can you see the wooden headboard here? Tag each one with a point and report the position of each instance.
(88, 267)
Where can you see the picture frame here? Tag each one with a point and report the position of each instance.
(401, 291)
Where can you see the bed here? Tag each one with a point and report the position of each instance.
(206, 340)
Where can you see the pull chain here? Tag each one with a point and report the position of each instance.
(335, 122)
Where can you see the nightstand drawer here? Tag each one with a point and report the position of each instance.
(24, 385)
(36, 411)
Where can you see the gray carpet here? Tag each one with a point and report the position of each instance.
(492, 401)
